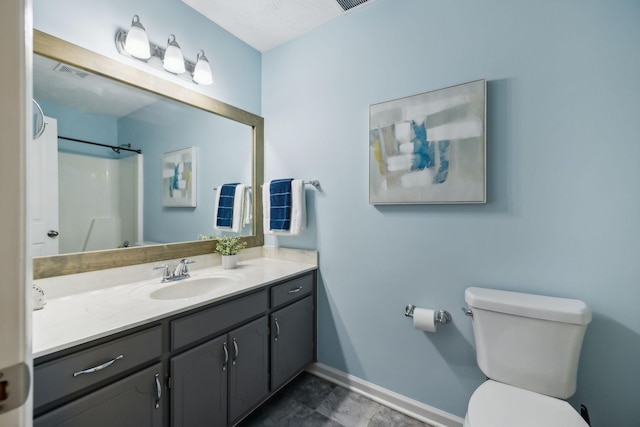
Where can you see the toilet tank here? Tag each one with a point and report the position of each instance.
(528, 341)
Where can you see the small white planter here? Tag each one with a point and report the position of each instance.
(229, 261)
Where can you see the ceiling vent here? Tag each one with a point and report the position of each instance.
(67, 69)
(350, 4)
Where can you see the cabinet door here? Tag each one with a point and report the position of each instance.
(249, 370)
(199, 385)
(132, 402)
(292, 339)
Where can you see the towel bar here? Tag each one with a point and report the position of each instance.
(314, 182)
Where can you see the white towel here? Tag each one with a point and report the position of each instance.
(239, 200)
(248, 211)
(298, 209)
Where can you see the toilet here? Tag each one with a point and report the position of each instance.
(528, 346)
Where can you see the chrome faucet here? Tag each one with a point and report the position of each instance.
(180, 270)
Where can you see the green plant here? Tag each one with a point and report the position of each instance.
(230, 245)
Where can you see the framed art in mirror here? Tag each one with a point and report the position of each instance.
(179, 178)
(430, 147)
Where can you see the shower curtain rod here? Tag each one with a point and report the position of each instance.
(113, 147)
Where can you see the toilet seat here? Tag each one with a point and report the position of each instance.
(494, 404)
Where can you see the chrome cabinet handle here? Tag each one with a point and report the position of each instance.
(235, 348)
(226, 356)
(158, 391)
(296, 290)
(275, 320)
(99, 367)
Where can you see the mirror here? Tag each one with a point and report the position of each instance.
(165, 118)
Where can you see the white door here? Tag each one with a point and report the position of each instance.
(15, 135)
(43, 191)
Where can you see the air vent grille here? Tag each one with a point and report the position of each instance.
(350, 4)
(67, 69)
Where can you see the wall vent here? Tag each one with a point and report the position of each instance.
(67, 69)
(350, 4)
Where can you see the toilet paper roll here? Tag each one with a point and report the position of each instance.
(424, 319)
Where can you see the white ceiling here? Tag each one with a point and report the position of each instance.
(265, 24)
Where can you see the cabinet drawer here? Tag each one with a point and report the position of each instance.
(291, 290)
(208, 322)
(64, 376)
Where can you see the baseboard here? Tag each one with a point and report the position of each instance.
(393, 400)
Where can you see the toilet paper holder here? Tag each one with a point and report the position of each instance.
(441, 316)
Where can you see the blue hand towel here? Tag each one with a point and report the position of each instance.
(226, 196)
(280, 199)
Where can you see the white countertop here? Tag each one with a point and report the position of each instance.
(71, 319)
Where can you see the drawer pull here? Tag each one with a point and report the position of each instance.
(296, 290)
(226, 356)
(158, 391)
(275, 320)
(235, 356)
(99, 367)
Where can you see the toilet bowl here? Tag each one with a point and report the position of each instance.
(528, 346)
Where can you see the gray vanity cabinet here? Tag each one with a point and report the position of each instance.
(217, 362)
(134, 401)
(293, 340)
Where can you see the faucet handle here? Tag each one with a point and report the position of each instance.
(166, 275)
(186, 262)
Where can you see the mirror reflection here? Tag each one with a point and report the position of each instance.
(136, 187)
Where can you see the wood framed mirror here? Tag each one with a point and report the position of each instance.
(62, 264)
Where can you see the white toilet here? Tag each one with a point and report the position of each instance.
(528, 346)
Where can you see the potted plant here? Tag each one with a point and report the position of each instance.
(228, 247)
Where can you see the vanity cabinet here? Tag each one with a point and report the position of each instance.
(208, 366)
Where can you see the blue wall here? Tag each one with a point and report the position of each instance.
(563, 211)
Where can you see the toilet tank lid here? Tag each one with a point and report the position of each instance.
(529, 305)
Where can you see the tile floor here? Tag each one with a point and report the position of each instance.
(309, 401)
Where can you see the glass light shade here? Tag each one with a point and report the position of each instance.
(202, 71)
(173, 60)
(137, 42)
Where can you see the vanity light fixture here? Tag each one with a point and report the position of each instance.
(202, 72)
(173, 60)
(135, 44)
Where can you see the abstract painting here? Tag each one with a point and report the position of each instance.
(430, 147)
(179, 178)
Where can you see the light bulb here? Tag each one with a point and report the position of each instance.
(173, 59)
(202, 71)
(137, 42)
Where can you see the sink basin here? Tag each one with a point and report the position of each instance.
(192, 287)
